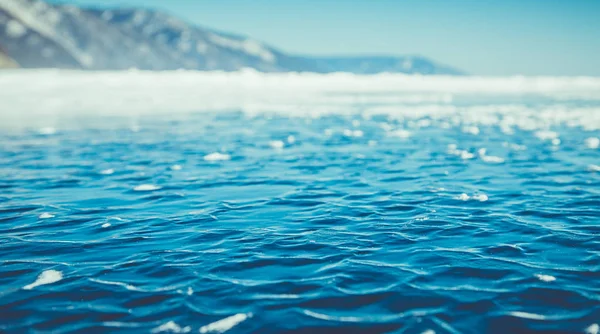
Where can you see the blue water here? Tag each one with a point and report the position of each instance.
(350, 227)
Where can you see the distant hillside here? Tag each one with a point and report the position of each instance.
(5, 61)
(37, 34)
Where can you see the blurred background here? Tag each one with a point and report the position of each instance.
(497, 38)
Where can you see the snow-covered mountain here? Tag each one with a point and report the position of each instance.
(38, 34)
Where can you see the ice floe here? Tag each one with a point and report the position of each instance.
(46, 277)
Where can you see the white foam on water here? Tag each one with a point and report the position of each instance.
(46, 277)
(372, 142)
(190, 291)
(46, 215)
(592, 142)
(556, 141)
(429, 331)
(105, 225)
(171, 327)
(291, 139)
(545, 278)
(146, 187)
(276, 144)
(527, 315)
(216, 156)
(109, 171)
(226, 324)
(593, 329)
(176, 167)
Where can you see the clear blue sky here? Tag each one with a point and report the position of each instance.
(487, 37)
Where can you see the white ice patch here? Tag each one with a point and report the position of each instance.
(357, 133)
(353, 133)
(546, 135)
(276, 144)
(217, 157)
(476, 197)
(171, 327)
(14, 29)
(47, 131)
(400, 133)
(46, 277)
(545, 278)
(492, 159)
(593, 329)
(471, 130)
(146, 187)
(226, 324)
(480, 197)
(592, 142)
(463, 197)
(463, 154)
(594, 168)
(489, 158)
(46, 215)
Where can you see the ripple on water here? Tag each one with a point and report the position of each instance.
(384, 218)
